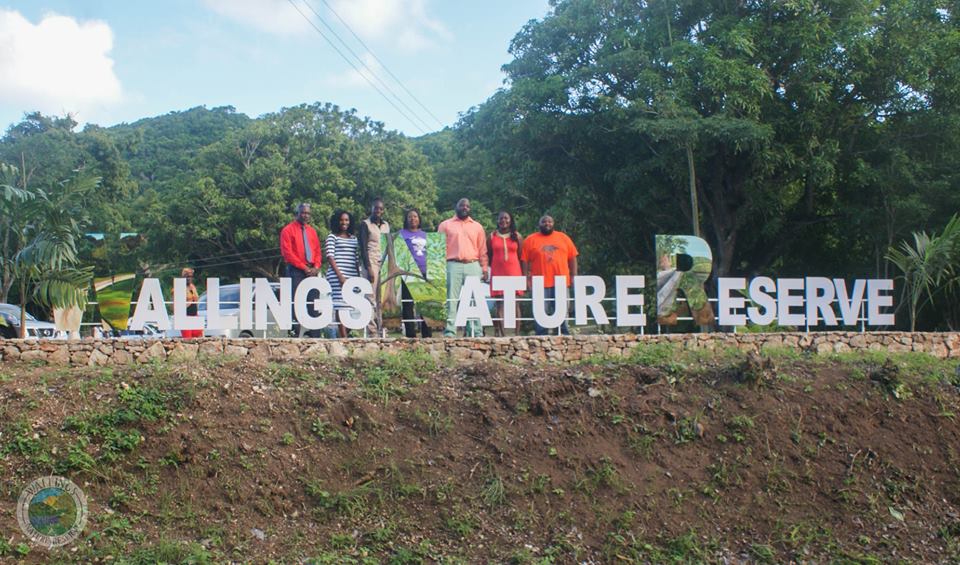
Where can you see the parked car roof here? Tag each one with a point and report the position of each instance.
(14, 310)
(229, 296)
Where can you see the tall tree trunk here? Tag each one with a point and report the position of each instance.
(23, 308)
(694, 204)
(723, 219)
(6, 256)
(6, 284)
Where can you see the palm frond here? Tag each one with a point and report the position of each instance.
(929, 266)
(11, 193)
(63, 288)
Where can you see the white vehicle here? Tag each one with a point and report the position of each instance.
(36, 329)
(149, 331)
(230, 308)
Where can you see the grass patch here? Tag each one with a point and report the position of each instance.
(359, 501)
(460, 525)
(687, 429)
(118, 431)
(739, 426)
(494, 492)
(97, 438)
(386, 377)
(623, 545)
(169, 552)
(326, 431)
(281, 374)
(913, 366)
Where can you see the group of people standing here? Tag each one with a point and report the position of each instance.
(350, 252)
(353, 251)
(504, 252)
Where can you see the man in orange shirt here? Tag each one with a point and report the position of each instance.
(300, 248)
(466, 257)
(549, 254)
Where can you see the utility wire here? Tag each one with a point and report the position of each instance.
(344, 57)
(362, 62)
(239, 262)
(377, 59)
(237, 254)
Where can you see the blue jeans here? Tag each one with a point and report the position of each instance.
(550, 296)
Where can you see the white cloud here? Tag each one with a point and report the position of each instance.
(400, 23)
(355, 77)
(404, 23)
(57, 66)
(272, 16)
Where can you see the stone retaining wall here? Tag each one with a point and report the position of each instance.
(120, 352)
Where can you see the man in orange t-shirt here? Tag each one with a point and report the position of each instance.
(549, 254)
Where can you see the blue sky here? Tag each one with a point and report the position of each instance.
(112, 61)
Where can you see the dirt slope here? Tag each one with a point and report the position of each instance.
(669, 456)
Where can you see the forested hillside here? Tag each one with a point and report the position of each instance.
(795, 137)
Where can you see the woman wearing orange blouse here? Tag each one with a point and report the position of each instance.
(503, 247)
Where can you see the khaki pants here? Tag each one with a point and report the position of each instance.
(373, 328)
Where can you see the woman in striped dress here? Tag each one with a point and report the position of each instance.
(343, 259)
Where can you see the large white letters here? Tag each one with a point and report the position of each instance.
(851, 306)
(265, 300)
(582, 300)
(322, 303)
(759, 287)
(472, 303)
(876, 301)
(786, 300)
(214, 320)
(820, 293)
(509, 286)
(808, 301)
(359, 311)
(625, 318)
(728, 303)
(554, 320)
(150, 307)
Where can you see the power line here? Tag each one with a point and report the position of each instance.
(377, 59)
(237, 254)
(344, 57)
(238, 262)
(362, 62)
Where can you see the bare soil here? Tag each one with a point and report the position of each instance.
(665, 457)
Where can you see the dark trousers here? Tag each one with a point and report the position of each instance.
(550, 294)
(296, 277)
(409, 314)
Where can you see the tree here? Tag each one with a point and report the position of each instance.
(13, 224)
(45, 151)
(929, 266)
(227, 222)
(48, 260)
(784, 115)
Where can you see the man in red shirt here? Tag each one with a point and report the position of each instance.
(549, 254)
(300, 248)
